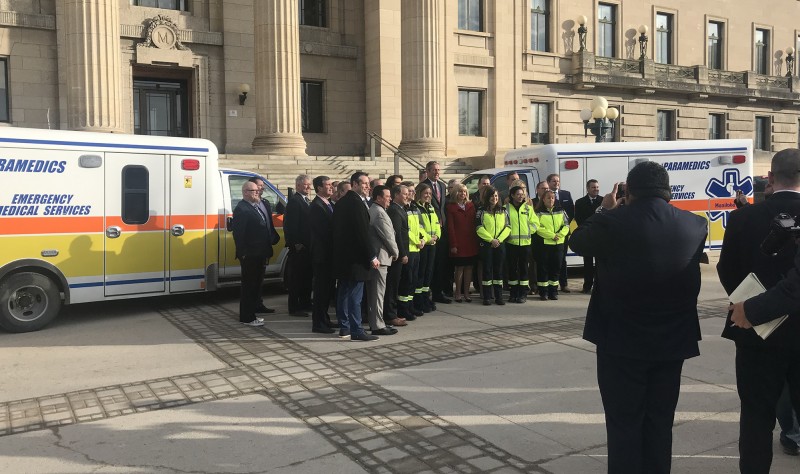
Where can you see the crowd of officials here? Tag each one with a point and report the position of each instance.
(413, 246)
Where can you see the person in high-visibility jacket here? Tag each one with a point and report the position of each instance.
(429, 221)
(553, 228)
(492, 227)
(524, 222)
(409, 288)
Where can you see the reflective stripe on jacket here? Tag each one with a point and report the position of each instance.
(429, 221)
(492, 225)
(524, 222)
(552, 222)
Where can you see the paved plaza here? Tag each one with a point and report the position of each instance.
(176, 384)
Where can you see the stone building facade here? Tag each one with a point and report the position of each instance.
(438, 78)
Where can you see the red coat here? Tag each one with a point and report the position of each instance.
(461, 229)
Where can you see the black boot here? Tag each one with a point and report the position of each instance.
(512, 294)
(486, 293)
(498, 295)
(543, 293)
(552, 292)
(522, 294)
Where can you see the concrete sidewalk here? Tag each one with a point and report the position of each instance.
(178, 385)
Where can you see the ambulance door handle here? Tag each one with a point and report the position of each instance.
(113, 232)
(178, 230)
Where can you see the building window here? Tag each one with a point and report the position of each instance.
(313, 13)
(762, 134)
(715, 126)
(311, 106)
(664, 38)
(540, 25)
(666, 125)
(470, 15)
(762, 51)
(470, 113)
(5, 115)
(607, 30)
(540, 123)
(715, 32)
(135, 195)
(182, 5)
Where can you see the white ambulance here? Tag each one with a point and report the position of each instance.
(94, 216)
(704, 174)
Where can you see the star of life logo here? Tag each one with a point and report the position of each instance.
(731, 182)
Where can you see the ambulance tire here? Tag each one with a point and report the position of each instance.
(28, 302)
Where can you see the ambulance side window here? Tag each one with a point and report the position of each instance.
(135, 195)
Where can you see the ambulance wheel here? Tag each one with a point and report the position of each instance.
(28, 302)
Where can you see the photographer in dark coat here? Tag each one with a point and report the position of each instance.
(642, 315)
(763, 366)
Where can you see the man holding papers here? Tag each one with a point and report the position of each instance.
(763, 366)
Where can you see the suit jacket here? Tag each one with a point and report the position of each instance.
(399, 220)
(352, 249)
(439, 204)
(783, 298)
(566, 203)
(584, 208)
(253, 235)
(648, 277)
(741, 254)
(320, 220)
(382, 234)
(296, 225)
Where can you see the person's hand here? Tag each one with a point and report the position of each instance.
(557, 237)
(740, 200)
(376, 263)
(405, 260)
(610, 200)
(421, 243)
(454, 250)
(738, 318)
(495, 243)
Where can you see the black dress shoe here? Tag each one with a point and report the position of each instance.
(387, 331)
(323, 330)
(264, 310)
(790, 447)
(363, 337)
(442, 299)
(564, 289)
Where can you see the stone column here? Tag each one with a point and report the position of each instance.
(422, 82)
(277, 90)
(94, 68)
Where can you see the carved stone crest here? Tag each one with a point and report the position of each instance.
(162, 33)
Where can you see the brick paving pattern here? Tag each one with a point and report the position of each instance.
(371, 425)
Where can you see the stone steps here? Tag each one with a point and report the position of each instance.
(282, 170)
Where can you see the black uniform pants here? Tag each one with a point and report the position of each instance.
(299, 267)
(408, 279)
(517, 262)
(550, 265)
(392, 287)
(492, 259)
(323, 291)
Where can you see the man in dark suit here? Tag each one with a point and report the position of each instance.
(642, 315)
(297, 232)
(563, 200)
(397, 214)
(320, 219)
(763, 366)
(485, 181)
(353, 257)
(439, 282)
(585, 208)
(254, 236)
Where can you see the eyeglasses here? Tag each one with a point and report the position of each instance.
(251, 190)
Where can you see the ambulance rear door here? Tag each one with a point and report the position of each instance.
(135, 227)
(186, 226)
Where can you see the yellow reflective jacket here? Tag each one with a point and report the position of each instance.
(429, 221)
(492, 225)
(552, 222)
(524, 222)
(415, 230)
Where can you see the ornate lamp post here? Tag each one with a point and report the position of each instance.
(603, 126)
(582, 30)
(789, 61)
(643, 42)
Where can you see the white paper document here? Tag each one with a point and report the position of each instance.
(748, 288)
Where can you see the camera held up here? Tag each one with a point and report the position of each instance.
(783, 228)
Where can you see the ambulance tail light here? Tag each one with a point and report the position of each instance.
(739, 159)
(571, 165)
(190, 165)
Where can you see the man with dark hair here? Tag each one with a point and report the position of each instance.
(353, 257)
(565, 202)
(321, 218)
(297, 232)
(439, 282)
(584, 208)
(393, 181)
(763, 366)
(383, 239)
(483, 182)
(397, 214)
(642, 315)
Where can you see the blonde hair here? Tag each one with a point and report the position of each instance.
(453, 197)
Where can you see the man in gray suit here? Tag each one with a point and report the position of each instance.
(383, 242)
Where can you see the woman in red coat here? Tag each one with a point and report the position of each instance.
(463, 240)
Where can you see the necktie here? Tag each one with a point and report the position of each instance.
(436, 191)
(305, 199)
(260, 213)
(330, 207)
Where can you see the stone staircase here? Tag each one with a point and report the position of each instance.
(282, 170)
